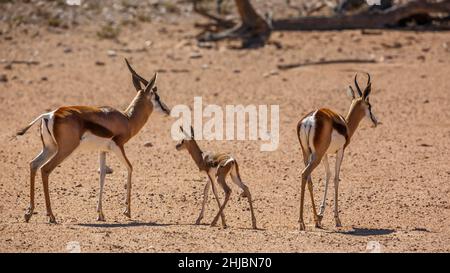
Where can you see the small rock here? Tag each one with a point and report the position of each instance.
(44, 78)
(3, 78)
(148, 43)
(78, 186)
(148, 144)
(195, 55)
(99, 63)
(111, 53)
(8, 66)
(271, 73)
(67, 50)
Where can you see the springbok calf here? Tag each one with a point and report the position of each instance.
(103, 129)
(216, 165)
(324, 132)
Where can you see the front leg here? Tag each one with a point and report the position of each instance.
(327, 180)
(102, 159)
(339, 157)
(205, 199)
(120, 153)
(222, 215)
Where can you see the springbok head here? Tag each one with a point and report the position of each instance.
(360, 100)
(150, 89)
(186, 141)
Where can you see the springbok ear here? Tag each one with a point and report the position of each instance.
(136, 83)
(350, 92)
(151, 83)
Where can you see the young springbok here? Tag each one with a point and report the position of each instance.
(324, 132)
(103, 129)
(216, 165)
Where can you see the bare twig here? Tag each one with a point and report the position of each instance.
(325, 62)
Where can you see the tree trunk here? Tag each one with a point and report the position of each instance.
(253, 29)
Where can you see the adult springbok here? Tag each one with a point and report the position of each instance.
(103, 129)
(216, 165)
(324, 132)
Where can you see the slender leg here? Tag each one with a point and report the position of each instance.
(217, 199)
(237, 180)
(120, 153)
(227, 190)
(205, 199)
(327, 180)
(35, 165)
(312, 164)
(339, 157)
(102, 159)
(310, 188)
(47, 169)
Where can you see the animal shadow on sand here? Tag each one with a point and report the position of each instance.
(367, 231)
(125, 225)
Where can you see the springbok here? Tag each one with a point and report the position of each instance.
(103, 129)
(324, 132)
(216, 165)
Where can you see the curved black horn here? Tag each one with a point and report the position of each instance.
(192, 132)
(368, 78)
(357, 86)
(144, 81)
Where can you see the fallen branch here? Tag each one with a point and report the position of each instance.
(325, 62)
(365, 20)
(20, 62)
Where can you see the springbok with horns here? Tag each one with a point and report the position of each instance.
(218, 166)
(103, 129)
(324, 132)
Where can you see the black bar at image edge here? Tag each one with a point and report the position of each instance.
(226, 262)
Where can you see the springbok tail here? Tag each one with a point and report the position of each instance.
(24, 130)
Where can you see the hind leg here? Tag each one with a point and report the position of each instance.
(246, 192)
(221, 173)
(35, 165)
(312, 164)
(67, 142)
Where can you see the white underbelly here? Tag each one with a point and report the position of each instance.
(91, 142)
(337, 142)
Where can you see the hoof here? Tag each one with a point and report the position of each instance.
(198, 221)
(127, 213)
(28, 216)
(51, 219)
(338, 223)
(301, 227)
(101, 217)
(254, 226)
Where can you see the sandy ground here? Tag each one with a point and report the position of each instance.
(394, 181)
